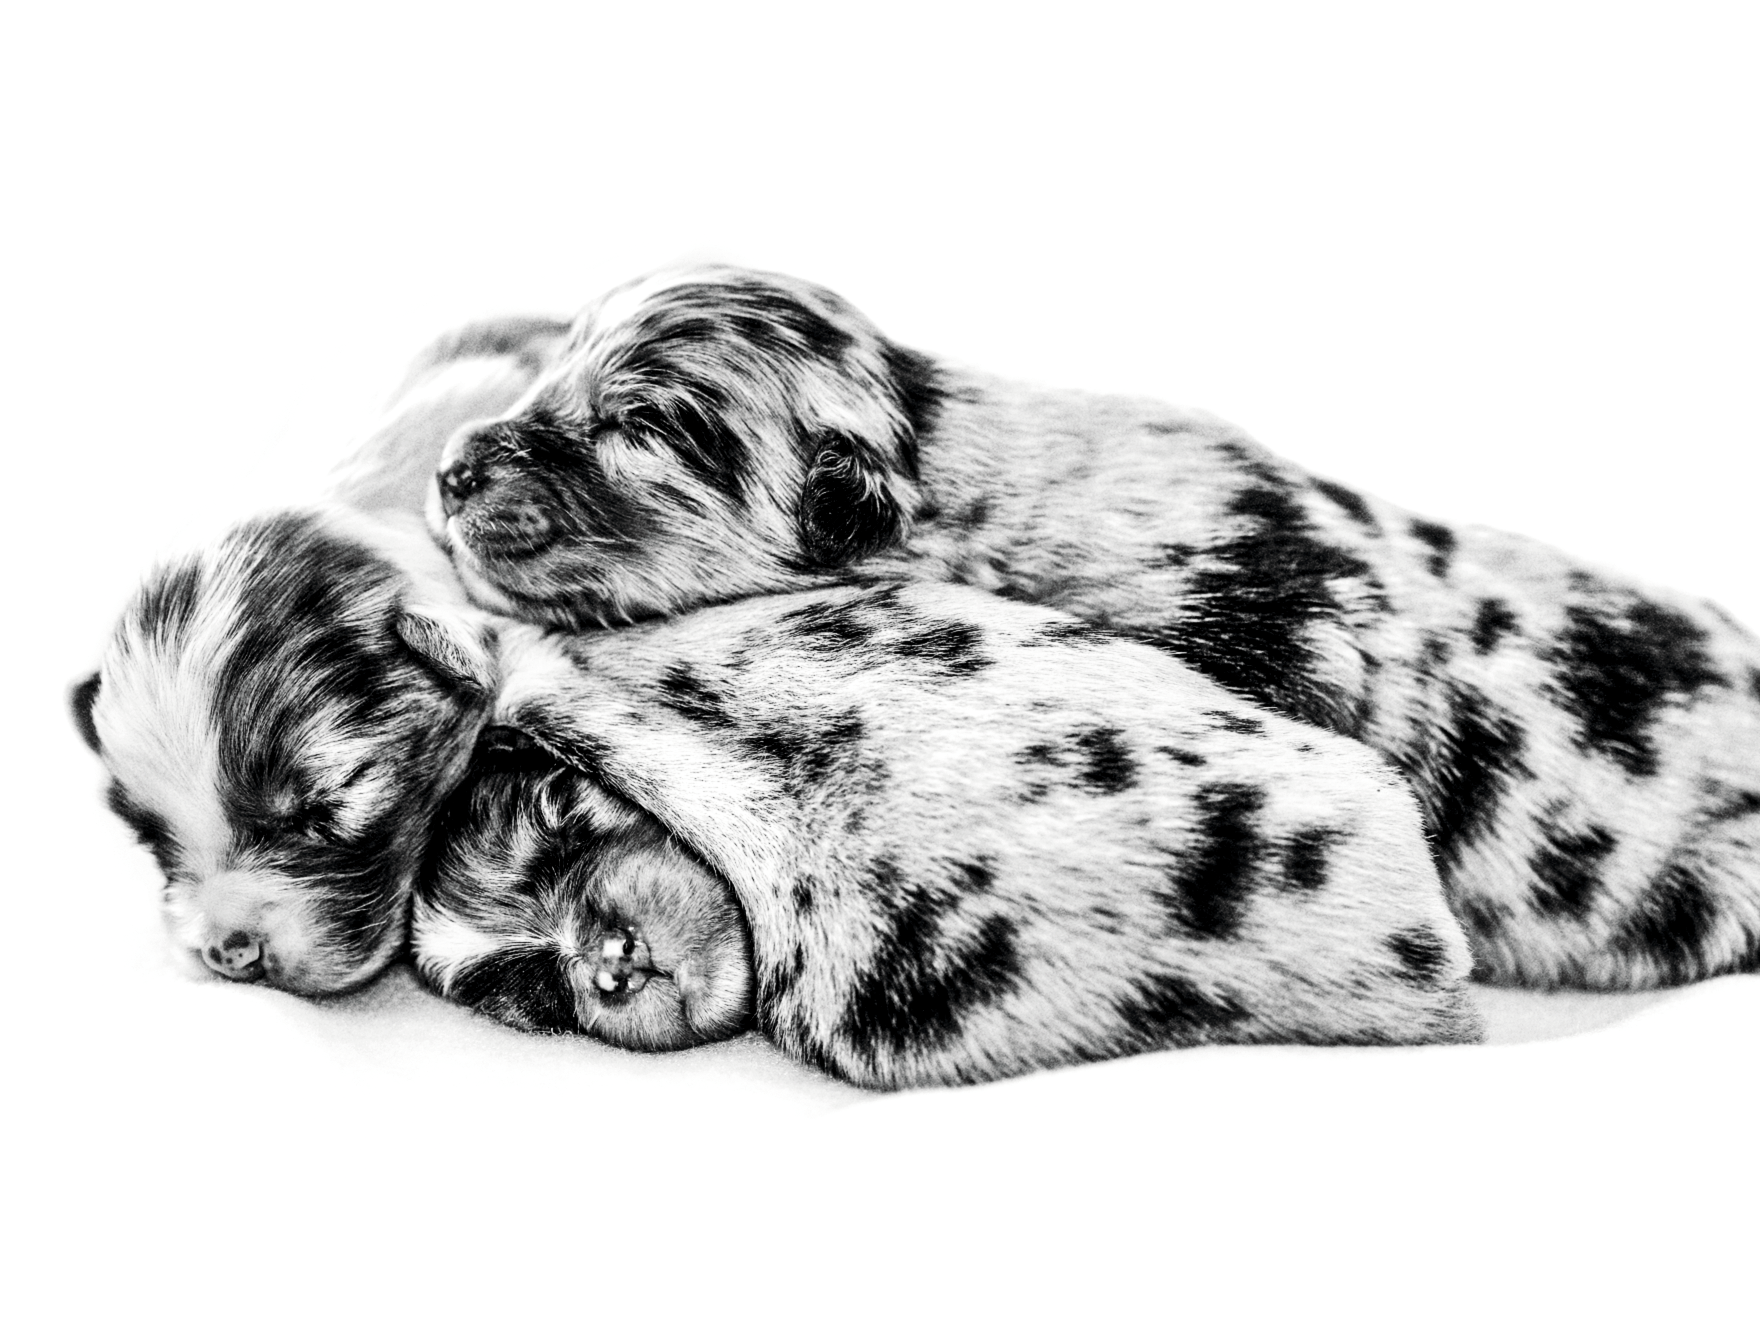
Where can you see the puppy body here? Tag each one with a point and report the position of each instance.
(281, 711)
(972, 838)
(1586, 751)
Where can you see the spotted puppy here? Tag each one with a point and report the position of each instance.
(972, 838)
(281, 712)
(1586, 752)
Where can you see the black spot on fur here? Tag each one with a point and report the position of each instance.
(1181, 756)
(1493, 621)
(167, 603)
(1567, 870)
(921, 981)
(1242, 724)
(1422, 955)
(1754, 684)
(1461, 774)
(972, 517)
(1252, 601)
(775, 980)
(976, 876)
(692, 421)
(1169, 1009)
(806, 750)
(1242, 458)
(1109, 767)
(683, 690)
(1067, 632)
(1102, 763)
(1440, 540)
(1304, 858)
(1212, 880)
(1670, 924)
(1732, 805)
(1348, 500)
(953, 646)
(1616, 671)
(524, 987)
(844, 626)
(1484, 918)
(802, 893)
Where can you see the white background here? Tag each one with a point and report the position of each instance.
(1498, 263)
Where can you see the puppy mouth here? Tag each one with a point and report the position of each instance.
(516, 537)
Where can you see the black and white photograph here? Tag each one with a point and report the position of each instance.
(946, 660)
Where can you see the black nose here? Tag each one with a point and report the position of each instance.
(456, 486)
(238, 956)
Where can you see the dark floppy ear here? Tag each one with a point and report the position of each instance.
(81, 697)
(848, 509)
(454, 648)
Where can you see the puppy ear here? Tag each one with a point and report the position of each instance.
(460, 651)
(848, 509)
(81, 697)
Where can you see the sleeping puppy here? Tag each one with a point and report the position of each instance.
(972, 839)
(554, 905)
(1586, 752)
(281, 712)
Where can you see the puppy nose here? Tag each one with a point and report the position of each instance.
(238, 956)
(624, 963)
(457, 482)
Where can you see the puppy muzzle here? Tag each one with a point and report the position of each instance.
(237, 955)
(458, 482)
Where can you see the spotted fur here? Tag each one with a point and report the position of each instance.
(970, 841)
(280, 712)
(1586, 751)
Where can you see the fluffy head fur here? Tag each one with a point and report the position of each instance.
(705, 434)
(280, 711)
(277, 713)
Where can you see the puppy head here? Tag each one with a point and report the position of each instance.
(551, 905)
(280, 715)
(706, 434)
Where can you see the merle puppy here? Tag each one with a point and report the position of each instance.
(1586, 752)
(972, 839)
(281, 712)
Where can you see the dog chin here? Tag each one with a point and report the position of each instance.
(481, 589)
(579, 609)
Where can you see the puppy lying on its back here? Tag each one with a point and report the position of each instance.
(972, 838)
(1586, 752)
(281, 712)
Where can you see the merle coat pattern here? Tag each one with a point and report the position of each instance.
(1586, 751)
(280, 712)
(972, 838)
